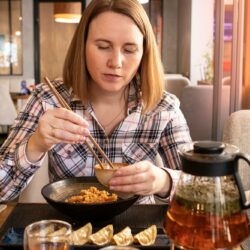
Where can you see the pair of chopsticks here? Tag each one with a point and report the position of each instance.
(65, 105)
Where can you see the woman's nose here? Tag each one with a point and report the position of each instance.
(115, 60)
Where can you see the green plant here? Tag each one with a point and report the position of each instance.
(208, 66)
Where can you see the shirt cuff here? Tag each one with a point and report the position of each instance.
(24, 165)
(174, 177)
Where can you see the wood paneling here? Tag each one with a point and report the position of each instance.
(184, 37)
(55, 39)
(246, 77)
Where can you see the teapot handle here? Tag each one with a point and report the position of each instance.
(244, 201)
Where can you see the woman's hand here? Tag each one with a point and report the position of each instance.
(56, 126)
(141, 178)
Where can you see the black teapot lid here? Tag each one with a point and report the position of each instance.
(209, 158)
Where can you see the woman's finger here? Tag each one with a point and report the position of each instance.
(68, 115)
(133, 169)
(137, 189)
(65, 126)
(128, 179)
(66, 136)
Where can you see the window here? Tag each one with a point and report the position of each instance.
(10, 37)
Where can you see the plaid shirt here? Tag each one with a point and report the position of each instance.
(138, 137)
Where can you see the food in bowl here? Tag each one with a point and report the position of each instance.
(103, 175)
(92, 195)
(57, 192)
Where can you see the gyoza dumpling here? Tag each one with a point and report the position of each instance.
(59, 232)
(46, 231)
(124, 237)
(103, 236)
(146, 237)
(81, 235)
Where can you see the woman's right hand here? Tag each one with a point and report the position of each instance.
(56, 126)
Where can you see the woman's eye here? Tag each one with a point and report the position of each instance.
(103, 47)
(129, 51)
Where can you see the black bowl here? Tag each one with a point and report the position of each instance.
(55, 194)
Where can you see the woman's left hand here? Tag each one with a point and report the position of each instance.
(141, 178)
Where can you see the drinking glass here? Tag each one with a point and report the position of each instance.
(47, 235)
(119, 248)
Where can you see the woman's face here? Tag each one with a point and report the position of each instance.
(114, 50)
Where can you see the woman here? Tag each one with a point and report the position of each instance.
(113, 81)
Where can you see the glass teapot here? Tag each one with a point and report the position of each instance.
(206, 211)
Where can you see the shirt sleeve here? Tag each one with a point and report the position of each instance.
(174, 136)
(25, 165)
(15, 169)
(174, 175)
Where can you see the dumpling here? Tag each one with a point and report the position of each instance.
(146, 237)
(81, 235)
(124, 237)
(59, 232)
(103, 236)
(46, 230)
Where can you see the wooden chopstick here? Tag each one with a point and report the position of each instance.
(65, 105)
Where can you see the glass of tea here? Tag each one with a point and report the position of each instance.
(47, 235)
(119, 248)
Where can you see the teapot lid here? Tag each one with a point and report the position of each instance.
(209, 158)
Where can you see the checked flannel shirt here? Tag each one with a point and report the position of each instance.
(139, 137)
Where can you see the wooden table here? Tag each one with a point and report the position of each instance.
(138, 216)
(17, 97)
(6, 212)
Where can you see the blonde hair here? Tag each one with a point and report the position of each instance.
(75, 73)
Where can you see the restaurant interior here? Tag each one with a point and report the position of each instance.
(204, 46)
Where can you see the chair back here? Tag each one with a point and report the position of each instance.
(197, 107)
(236, 131)
(175, 83)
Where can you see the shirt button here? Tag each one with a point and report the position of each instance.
(106, 141)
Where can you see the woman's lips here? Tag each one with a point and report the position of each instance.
(112, 77)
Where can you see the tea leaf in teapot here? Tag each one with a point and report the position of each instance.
(209, 195)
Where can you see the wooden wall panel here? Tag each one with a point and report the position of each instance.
(184, 37)
(55, 39)
(246, 77)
